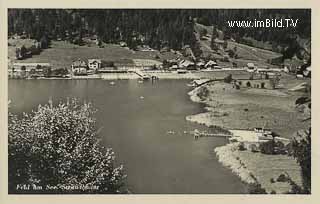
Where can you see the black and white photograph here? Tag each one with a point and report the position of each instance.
(159, 101)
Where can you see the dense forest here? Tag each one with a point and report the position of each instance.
(159, 28)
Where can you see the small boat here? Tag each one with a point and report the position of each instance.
(112, 83)
(141, 97)
(140, 81)
(170, 132)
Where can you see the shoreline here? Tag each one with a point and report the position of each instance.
(214, 74)
(244, 164)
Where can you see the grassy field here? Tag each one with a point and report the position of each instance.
(250, 108)
(61, 54)
(248, 52)
(245, 53)
(263, 167)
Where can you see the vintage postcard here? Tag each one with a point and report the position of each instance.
(119, 101)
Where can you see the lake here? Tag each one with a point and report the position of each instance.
(136, 118)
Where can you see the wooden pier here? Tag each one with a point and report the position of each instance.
(197, 134)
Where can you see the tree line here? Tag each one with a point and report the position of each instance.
(158, 28)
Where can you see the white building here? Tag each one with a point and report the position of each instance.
(94, 64)
(79, 67)
(251, 67)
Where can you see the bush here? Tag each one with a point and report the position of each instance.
(58, 146)
(256, 189)
(280, 148)
(301, 151)
(267, 147)
(228, 79)
(241, 146)
(203, 93)
(283, 178)
(253, 148)
(272, 180)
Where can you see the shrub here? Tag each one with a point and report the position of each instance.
(58, 146)
(253, 148)
(267, 147)
(248, 84)
(241, 146)
(273, 192)
(282, 178)
(301, 151)
(280, 147)
(228, 79)
(203, 93)
(256, 188)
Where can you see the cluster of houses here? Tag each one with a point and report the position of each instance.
(82, 67)
(184, 64)
(302, 69)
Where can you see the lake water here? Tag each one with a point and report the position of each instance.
(136, 119)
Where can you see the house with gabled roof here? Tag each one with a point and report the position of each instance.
(94, 64)
(79, 67)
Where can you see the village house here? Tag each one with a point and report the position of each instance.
(200, 64)
(251, 67)
(94, 64)
(79, 67)
(210, 64)
(186, 64)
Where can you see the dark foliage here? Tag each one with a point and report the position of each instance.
(301, 150)
(267, 147)
(256, 189)
(159, 28)
(228, 79)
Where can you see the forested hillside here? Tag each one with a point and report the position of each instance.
(158, 28)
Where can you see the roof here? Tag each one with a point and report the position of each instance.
(250, 64)
(200, 63)
(185, 63)
(79, 63)
(211, 62)
(94, 60)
